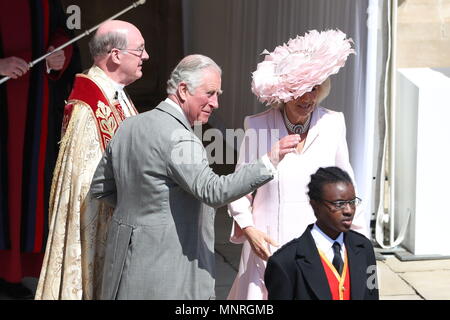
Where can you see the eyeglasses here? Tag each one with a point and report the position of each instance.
(339, 205)
(141, 50)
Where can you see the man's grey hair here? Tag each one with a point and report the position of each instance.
(102, 44)
(190, 70)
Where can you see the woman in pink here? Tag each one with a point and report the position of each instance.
(293, 80)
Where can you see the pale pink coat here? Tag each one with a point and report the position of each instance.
(281, 207)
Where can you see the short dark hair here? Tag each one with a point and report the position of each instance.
(324, 176)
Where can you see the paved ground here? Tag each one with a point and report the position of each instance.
(398, 280)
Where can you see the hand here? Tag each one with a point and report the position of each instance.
(282, 147)
(259, 241)
(13, 67)
(56, 60)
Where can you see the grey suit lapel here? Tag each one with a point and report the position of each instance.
(167, 108)
(308, 260)
(357, 264)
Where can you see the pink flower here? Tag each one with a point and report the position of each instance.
(294, 68)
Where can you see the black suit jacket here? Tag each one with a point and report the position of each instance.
(295, 271)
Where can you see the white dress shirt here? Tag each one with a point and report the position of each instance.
(122, 98)
(178, 108)
(325, 244)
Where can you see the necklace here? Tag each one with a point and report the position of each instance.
(296, 128)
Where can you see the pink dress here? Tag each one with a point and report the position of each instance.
(281, 207)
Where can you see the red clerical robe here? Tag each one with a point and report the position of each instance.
(73, 262)
(30, 121)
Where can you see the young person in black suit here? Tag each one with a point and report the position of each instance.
(328, 261)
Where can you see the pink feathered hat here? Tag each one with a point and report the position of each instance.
(294, 68)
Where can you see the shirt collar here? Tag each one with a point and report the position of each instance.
(177, 107)
(323, 241)
(109, 86)
(117, 86)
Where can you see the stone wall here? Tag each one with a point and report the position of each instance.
(423, 34)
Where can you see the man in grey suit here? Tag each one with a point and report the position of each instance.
(156, 174)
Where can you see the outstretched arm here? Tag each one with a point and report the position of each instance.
(188, 166)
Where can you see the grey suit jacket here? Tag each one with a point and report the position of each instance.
(156, 174)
